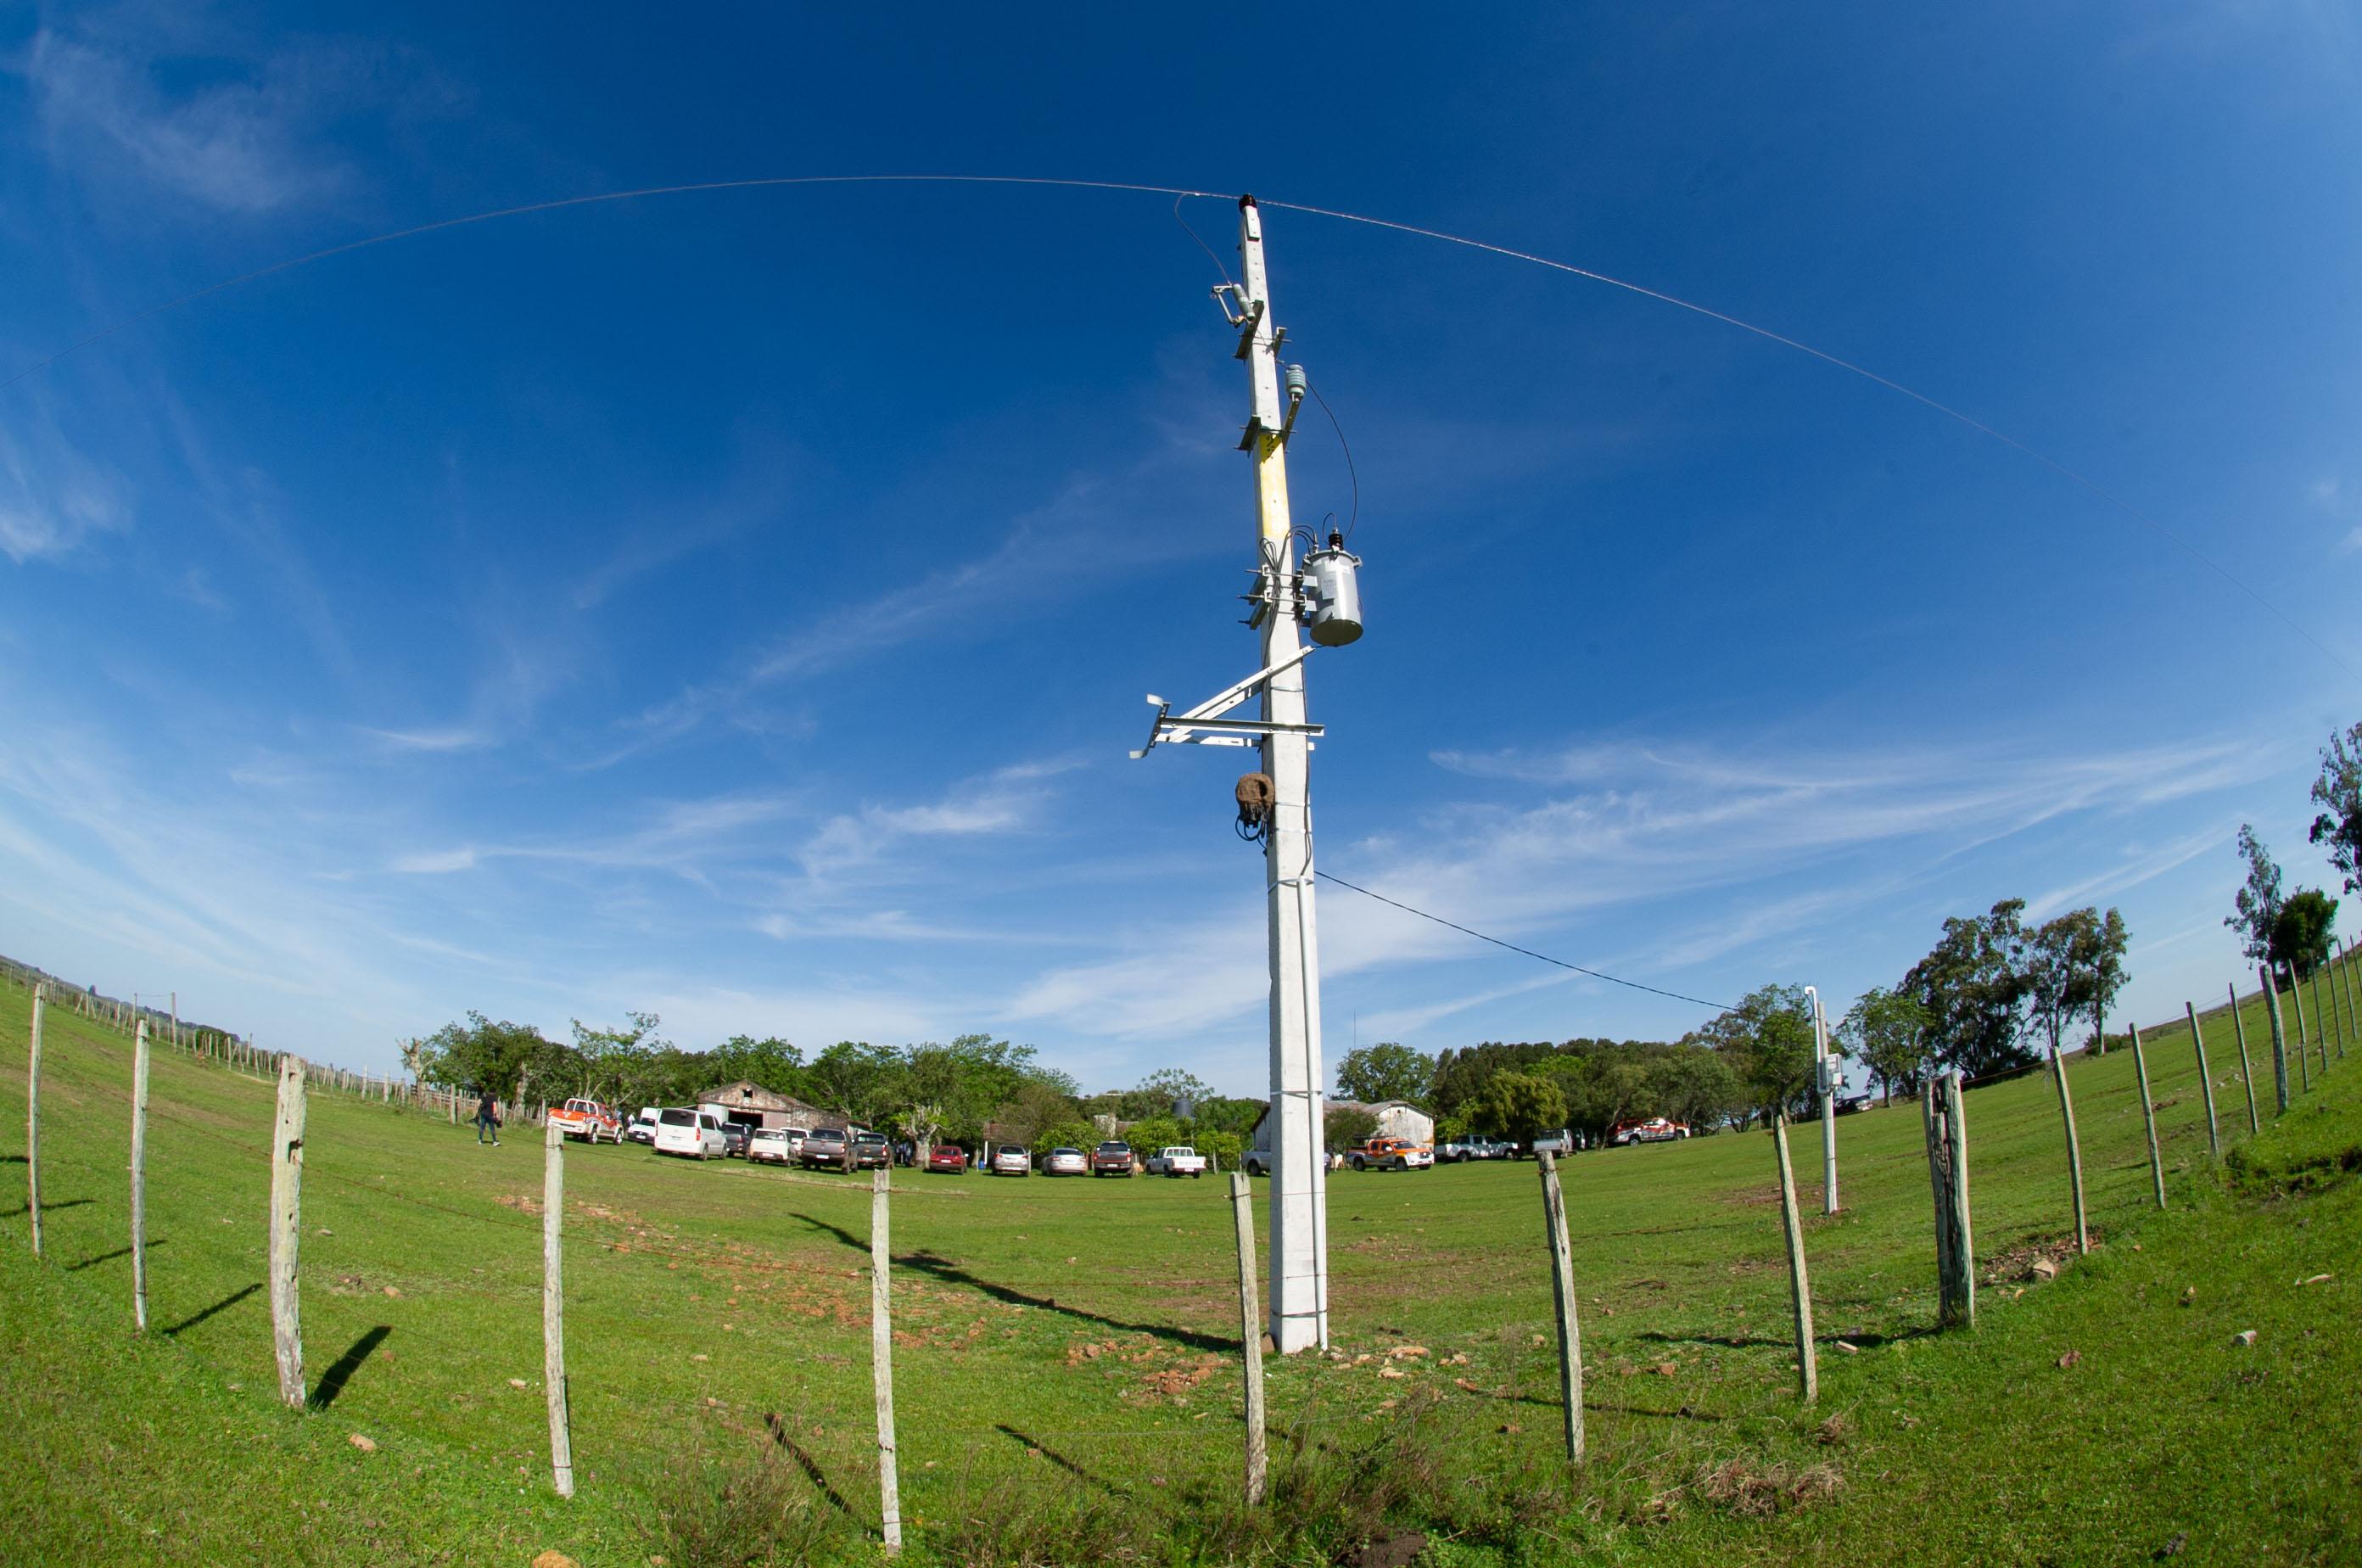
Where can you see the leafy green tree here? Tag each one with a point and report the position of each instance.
(1886, 1031)
(2301, 933)
(2073, 965)
(1386, 1071)
(1697, 1086)
(502, 1059)
(854, 1079)
(1973, 988)
(1520, 1107)
(1345, 1127)
(1035, 1107)
(2257, 904)
(1221, 1149)
(1768, 1040)
(2338, 792)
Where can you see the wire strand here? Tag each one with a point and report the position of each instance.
(1595, 974)
(1352, 473)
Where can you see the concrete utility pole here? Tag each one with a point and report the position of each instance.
(1275, 804)
(1300, 1195)
(1824, 1079)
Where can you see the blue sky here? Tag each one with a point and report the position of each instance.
(738, 606)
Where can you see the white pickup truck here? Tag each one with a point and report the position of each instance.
(1179, 1160)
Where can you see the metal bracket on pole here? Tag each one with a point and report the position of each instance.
(1171, 727)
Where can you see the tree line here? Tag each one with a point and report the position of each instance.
(1991, 983)
(973, 1089)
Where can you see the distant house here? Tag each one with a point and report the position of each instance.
(751, 1105)
(1395, 1118)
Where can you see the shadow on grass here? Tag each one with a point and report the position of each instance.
(226, 1302)
(1684, 1414)
(946, 1270)
(61, 1203)
(1035, 1445)
(1784, 1341)
(12, 1159)
(810, 1466)
(333, 1381)
(107, 1257)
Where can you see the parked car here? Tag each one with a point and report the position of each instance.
(1012, 1159)
(692, 1133)
(586, 1120)
(949, 1159)
(871, 1151)
(1176, 1160)
(1655, 1130)
(823, 1149)
(1112, 1158)
(1559, 1143)
(1392, 1155)
(737, 1138)
(1848, 1104)
(1460, 1151)
(642, 1128)
(771, 1146)
(1065, 1162)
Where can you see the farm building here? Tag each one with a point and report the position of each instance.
(751, 1105)
(1397, 1118)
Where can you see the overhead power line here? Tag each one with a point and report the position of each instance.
(1180, 192)
(1578, 968)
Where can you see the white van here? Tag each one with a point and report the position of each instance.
(686, 1130)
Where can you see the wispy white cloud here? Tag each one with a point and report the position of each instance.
(52, 499)
(429, 740)
(252, 132)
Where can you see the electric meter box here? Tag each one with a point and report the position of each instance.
(1333, 596)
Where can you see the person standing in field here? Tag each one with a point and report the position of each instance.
(488, 1119)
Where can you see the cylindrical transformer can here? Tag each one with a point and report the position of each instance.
(1333, 596)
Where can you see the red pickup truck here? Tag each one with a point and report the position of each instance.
(588, 1118)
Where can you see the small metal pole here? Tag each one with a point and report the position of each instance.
(2246, 1072)
(1800, 1287)
(881, 1361)
(1250, 1338)
(33, 1121)
(139, 1176)
(2148, 1116)
(2198, 1043)
(553, 1309)
(1570, 1333)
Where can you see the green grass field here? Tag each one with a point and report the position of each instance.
(1066, 1367)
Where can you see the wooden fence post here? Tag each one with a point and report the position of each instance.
(2148, 1116)
(1800, 1287)
(2198, 1043)
(140, 1176)
(553, 1309)
(2279, 1038)
(2074, 1149)
(33, 1121)
(2246, 1071)
(2320, 1026)
(1249, 1337)
(1570, 1332)
(2303, 1045)
(2320, 1039)
(881, 1361)
(176, 1020)
(1947, 1125)
(2345, 966)
(287, 1229)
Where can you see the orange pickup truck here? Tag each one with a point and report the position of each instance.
(588, 1119)
(1392, 1155)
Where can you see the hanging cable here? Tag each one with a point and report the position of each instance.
(1352, 473)
(1595, 974)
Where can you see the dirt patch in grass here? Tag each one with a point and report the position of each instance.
(2023, 1262)
(1753, 1491)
